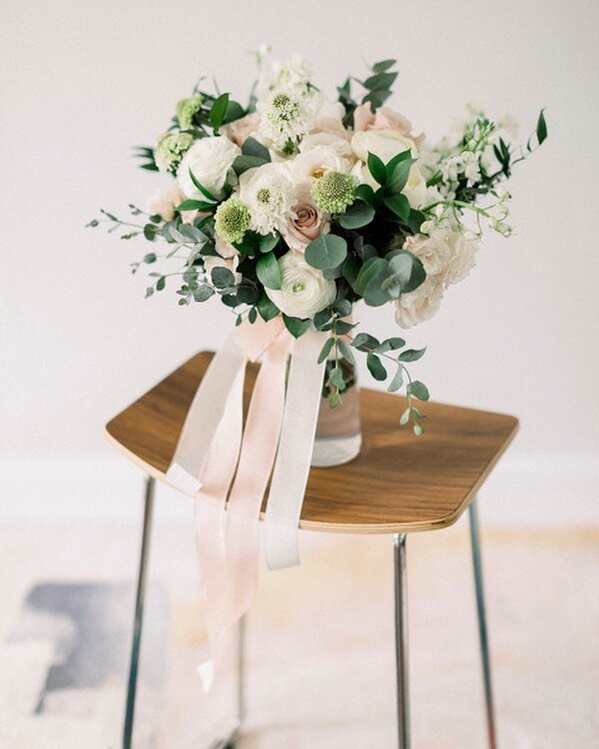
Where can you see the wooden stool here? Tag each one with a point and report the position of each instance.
(398, 484)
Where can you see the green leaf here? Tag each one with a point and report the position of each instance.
(377, 98)
(358, 215)
(222, 278)
(342, 306)
(269, 241)
(248, 293)
(541, 127)
(336, 378)
(375, 367)
(218, 111)
(398, 205)
(150, 232)
(234, 111)
(326, 350)
(296, 326)
(407, 270)
(202, 293)
(398, 175)
(161, 283)
(351, 268)
(412, 354)
(417, 429)
(206, 193)
(322, 318)
(365, 342)
(405, 416)
(150, 257)
(396, 382)
(267, 308)
(196, 205)
(326, 251)
(380, 81)
(365, 193)
(369, 283)
(391, 344)
(418, 390)
(243, 163)
(380, 67)
(345, 351)
(268, 271)
(377, 169)
(252, 147)
(252, 315)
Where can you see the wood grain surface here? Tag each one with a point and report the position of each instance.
(398, 483)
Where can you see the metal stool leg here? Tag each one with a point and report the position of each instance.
(401, 637)
(139, 611)
(482, 623)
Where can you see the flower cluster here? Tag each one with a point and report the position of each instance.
(300, 206)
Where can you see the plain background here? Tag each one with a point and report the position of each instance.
(83, 81)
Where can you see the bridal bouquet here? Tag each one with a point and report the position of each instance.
(298, 204)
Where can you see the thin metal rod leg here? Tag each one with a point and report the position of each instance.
(401, 640)
(482, 623)
(139, 611)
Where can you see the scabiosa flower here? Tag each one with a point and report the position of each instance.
(232, 220)
(187, 109)
(334, 191)
(270, 195)
(170, 149)
(285, 116)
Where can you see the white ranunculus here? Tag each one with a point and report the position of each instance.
(209, 159)
(334, 142)
(421, 304)
(313, 163)
(463, 246)
(382, 143)
(304, 289)
(433, 252)
(269, 195)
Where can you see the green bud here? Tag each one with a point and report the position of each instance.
(334, 191)
(170, 149)
(232, 220)
(187, 109)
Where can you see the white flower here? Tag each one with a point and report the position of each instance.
(285, 117)
(471, 167)
(463, 246)
(165, 203)
(270, 196)
(304, 289)
(225, 249)
(382, 143)
(433, 252)
(420, 304)
(311, 164)
(209, 159)
(337, 143)
(293, 74)
(211, 262)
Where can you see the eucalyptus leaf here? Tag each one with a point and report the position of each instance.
(396, 382)
(375, 367)
(412, 354)
(252, 147)
(243, 163)
(296, 326)
(269, 271)
(326, 350)
(267, 308)
(407, 269)
(358, 215)
(222, 278)
(418, 390)
(326, 251)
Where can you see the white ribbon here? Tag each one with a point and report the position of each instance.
(290, 475)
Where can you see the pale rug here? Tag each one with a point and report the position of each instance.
(320, 651)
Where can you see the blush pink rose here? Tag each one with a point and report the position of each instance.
(384, 119)
(307, 225)
(240, 130)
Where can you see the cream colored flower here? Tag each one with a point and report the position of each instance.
(209, 159)
(311, 164)
(240, 130)
(434, 253)
(165, 203)
(338, 143)
(463, 246)
(384, 119)
(270, 195)
(304, 289)
(421, 304)
(382, 143)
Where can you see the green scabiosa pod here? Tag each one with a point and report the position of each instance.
(334, 192)
(232, 220)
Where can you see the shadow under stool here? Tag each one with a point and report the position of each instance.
(398, 484)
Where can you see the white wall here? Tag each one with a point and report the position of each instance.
(82, 81)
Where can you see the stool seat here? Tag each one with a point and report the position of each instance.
(399, 483)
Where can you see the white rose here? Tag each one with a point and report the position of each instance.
(433, 252)
(463, 246)
(304, 290)
(269, 195)
(313, 163)
(382, 143)
(337, 143)
(420, 304)
(209, 159)
(211, 262)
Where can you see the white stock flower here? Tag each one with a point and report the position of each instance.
(434, 253)
(312, 163)
(421, 304)
(269, 195)
(463, 246)
(304, 289)
(209, 159)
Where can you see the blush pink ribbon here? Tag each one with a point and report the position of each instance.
(228, 467)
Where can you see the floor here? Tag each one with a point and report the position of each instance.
(320, 658)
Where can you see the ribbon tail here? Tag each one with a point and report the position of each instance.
(290, 476)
